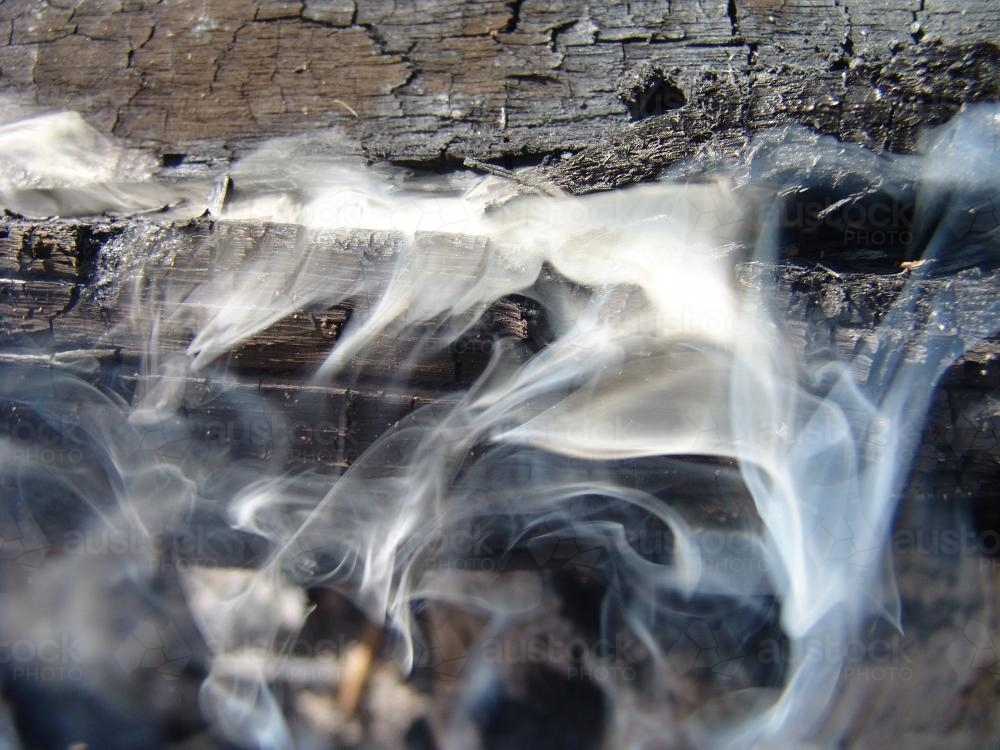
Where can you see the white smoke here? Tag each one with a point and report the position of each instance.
(656, 350)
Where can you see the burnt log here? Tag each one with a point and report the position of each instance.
(65, 308)
(593, 98)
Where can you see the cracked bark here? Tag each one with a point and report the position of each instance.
(498, 81)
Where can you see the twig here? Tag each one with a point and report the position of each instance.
(532, 183)
(830, 271)
(357, 663)
(347, 106)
